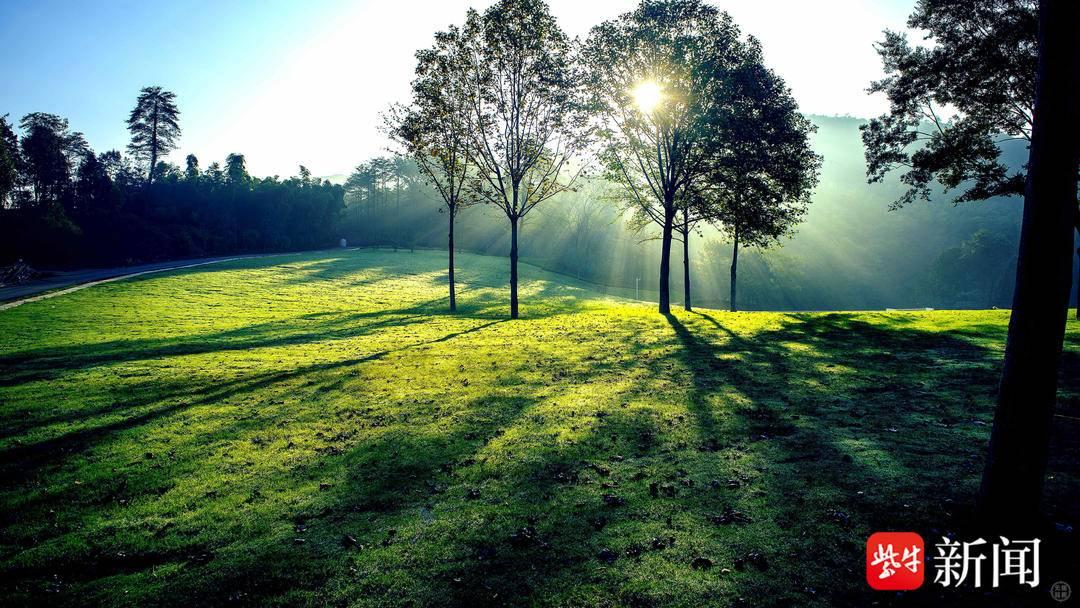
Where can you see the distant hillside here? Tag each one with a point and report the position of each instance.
(853, 252)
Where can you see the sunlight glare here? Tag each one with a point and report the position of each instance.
(647, 96)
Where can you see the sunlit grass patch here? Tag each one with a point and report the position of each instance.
(317, 429)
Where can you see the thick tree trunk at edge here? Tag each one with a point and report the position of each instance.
(1019, 443)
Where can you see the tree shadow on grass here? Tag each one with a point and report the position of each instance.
(27, 460)
(50, 363)
(754, 442)
(865, 428)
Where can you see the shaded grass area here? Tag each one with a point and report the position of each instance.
(316, 430)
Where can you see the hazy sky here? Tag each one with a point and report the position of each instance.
(289, 82)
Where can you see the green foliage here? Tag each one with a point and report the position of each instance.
(687, 49)
(387, 204)
(724, 141)
(154, 126)
(528, 116)
(313, 429)
(762, 186)
(69, 206)
(191, 167)
(433, 130)
(236, 170)
(106, 214)
(981, 64)
(50, 152)
(977, 272)
(93, 188)
(9, 160)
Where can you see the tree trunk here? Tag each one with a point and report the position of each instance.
(450, 244)
(1019, 441)
(686, 263)
(1076, 224)
(734, 269)
(665, 259)
(513, 268)
(153, 149)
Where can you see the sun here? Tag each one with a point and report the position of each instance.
(647, 96)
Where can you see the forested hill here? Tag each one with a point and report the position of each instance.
(853, 252)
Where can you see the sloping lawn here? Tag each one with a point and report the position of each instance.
(317, 430)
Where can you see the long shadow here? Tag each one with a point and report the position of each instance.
(768, 434)
(53, 362)
(50, 363)
(382, 480)
(26, 460)
(904, 395)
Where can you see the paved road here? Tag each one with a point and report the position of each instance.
(66, 282)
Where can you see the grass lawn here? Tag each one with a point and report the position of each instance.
(315, 429)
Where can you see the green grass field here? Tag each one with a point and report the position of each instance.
(315, 429)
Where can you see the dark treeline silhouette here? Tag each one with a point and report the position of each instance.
(66, 205)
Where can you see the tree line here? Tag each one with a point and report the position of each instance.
(64, 204)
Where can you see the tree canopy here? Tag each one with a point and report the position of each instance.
(154, 124)
(690, 116)
(760, 188)
(956, 100)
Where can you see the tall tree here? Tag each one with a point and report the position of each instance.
(236, 169)
(657, 77)
(50, 151)
(767, 170)
(154, 126)
(191, 168)
(1019, 441)
(433, 129)
(526, 119)
(9, 160)
(756, 212)
(982, 65)
(93, 188)
(214, 174)
(368, 190)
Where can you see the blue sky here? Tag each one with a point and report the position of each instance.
(291, 82)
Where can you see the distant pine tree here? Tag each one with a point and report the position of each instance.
(191, 169)
(154, 125)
